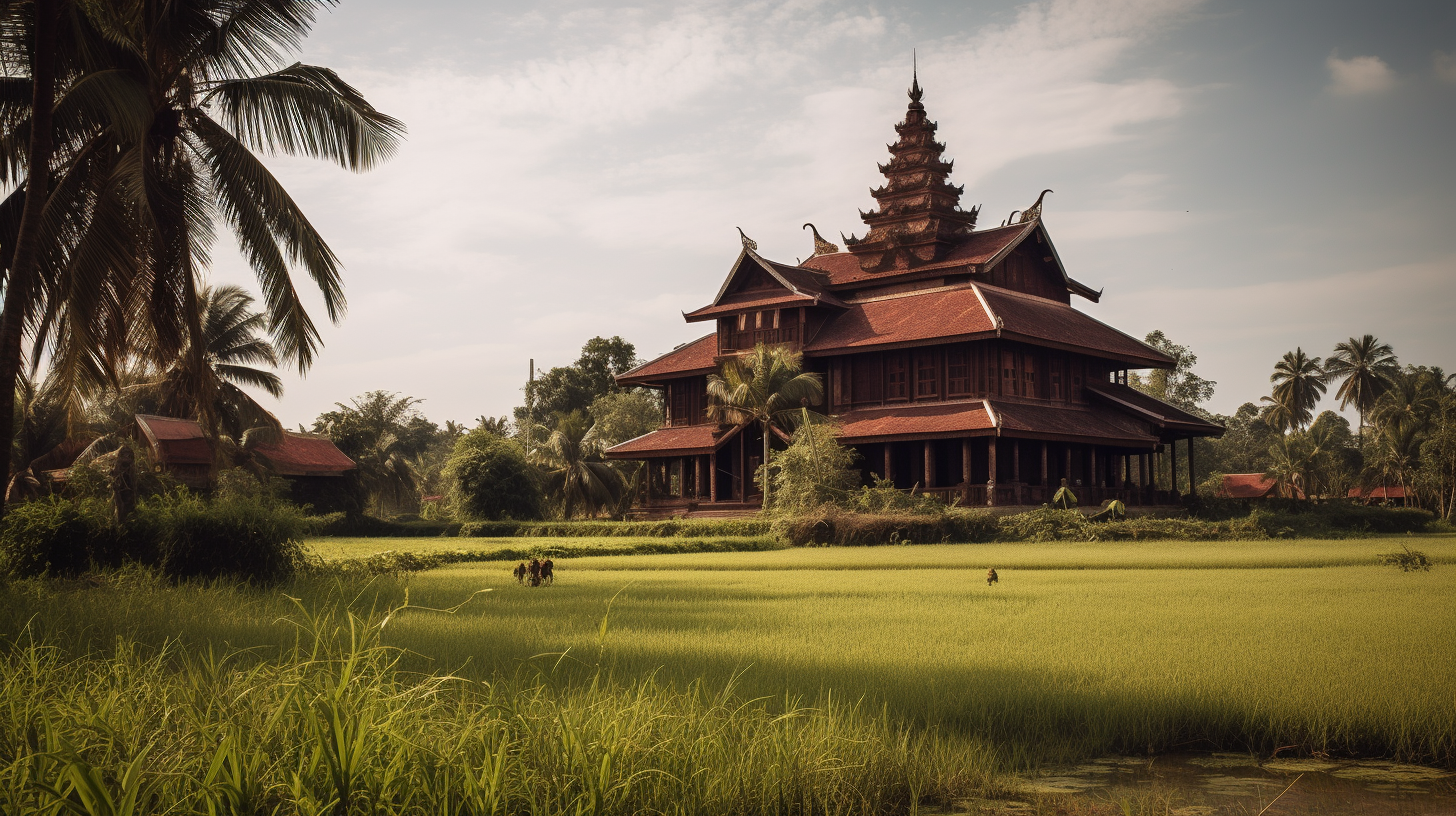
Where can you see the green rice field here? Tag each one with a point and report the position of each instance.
(889, 675)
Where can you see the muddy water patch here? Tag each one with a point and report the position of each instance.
(1236, 785)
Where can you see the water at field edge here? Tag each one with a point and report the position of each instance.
(1239, 784)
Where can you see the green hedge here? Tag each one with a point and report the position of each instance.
(339, 524)
(847, 529)
(399, 561)
(181, 534)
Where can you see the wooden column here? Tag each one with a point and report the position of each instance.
(991, 470)
(1173, 466)
(1090, 466)
(1192, 490)
(697, 477)
(1044, 464)
(1155, 462)
(713, 476)
(966, 471)
(1067, 470)
(1016, 461)
(1142, 470)
(742, 466)
(889, 461)
(648, 469)
(929, 463)
(1097, 474)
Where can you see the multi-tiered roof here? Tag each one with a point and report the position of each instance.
(919, 218)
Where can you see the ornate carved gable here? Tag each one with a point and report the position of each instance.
(919, 217)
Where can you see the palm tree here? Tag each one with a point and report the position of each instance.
(155, 134)
(1299, 382)
(1289, 461)
(1363, 367)
(232, 348)
(767, 385)
(1409, 400)
(576, 473)
(1278, 414)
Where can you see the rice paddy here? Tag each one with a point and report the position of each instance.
(905, 676)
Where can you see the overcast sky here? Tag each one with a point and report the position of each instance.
(1247, 176)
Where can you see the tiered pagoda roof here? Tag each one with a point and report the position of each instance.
(919, 218)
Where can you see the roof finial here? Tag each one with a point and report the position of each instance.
(915, 90)
(1035, 211)
(821, 246)
(748, 243)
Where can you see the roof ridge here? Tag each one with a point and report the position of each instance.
(912, 293)
(667, 354)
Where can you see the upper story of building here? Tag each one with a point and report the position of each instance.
(924, 307)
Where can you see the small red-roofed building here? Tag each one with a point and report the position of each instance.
(1392, 495)
(178, 447)
(1251, 486)
(952, 358)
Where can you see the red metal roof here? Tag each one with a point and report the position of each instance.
(915, 421)
(176, 441)
(675, 441)
(299, 454)
(689, 358)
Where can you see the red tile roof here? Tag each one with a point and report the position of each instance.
(685, 360)
(176, 441)
(843, 267)
(676, 441)
(1039, 319)
(1391, 492)
(733, 304)
(939, 314)
(1106, 425)
(915, 421)
(909, 318)
(1248, 486)
(299, 454)
(1154, 409)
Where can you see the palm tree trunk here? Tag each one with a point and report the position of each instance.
(20, 283)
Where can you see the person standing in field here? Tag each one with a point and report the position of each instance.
(991, 576)
(520, 573)
(548, 572)
(535, 572)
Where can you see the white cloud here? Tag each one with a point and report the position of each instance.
(1444, 66)
(1359, 75)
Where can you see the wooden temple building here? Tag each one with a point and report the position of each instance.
(952, 359)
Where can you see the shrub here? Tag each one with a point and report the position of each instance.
(838, 527)
(489, 479)
(1408, 561)
(884, 498)
(361, 526)
(814, 471)
(240, 536)
(55, 537)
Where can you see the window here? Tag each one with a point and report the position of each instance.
(897, 386)
(1054, 379)
(1076, 382)
(865, 380)
(758, 320)
(679, 403)
(776, 318)
(927, 376)
(1028, 376)
(957, 379)
(1008, 374)
(743, 322)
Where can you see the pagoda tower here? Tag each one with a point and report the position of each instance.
(919, 217)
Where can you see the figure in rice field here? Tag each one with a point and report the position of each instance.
(991, 576)
(548, 573)
(520, 573)
(535, 572)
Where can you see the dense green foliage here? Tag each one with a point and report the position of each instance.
(490, 479)
(813, 471)
(830, 525)
(564, 389)
(241, 536)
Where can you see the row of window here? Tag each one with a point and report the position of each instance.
(770, 327)
(950, 372)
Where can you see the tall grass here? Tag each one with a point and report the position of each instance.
(332, 725)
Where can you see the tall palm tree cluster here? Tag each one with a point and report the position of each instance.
(1410, 413)
(130, 130)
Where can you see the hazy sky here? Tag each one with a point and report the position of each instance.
(1246, 176)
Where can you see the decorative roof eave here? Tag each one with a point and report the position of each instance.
(632, 377)
(770, 267)
(718, 442)
(1074, 286)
